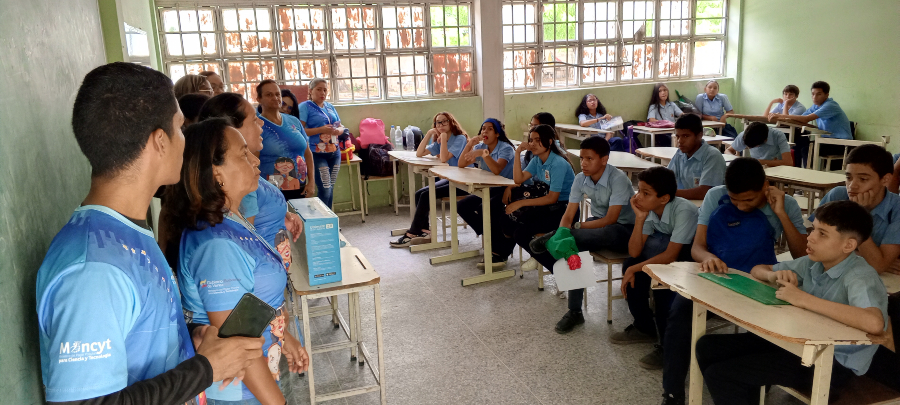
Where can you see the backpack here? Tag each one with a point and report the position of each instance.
(371, 131)
(537, 189)
(741, 239)
(347, 144)
(376, 160)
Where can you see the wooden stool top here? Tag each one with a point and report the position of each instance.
(356, 271)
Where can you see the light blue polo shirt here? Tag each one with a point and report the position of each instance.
(504, 151)
(613, 188)
(715, 107)
(268, 206)
(679, 221)
(832, 119)
(669, 112)
(775, 144)
(711, 202)
(598, 124)
(455, 146)
(796, 109)
(885, 216)
(556, 172)
(706, 167)
(851, 282)
(315, 117)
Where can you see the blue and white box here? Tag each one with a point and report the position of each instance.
(318, 249)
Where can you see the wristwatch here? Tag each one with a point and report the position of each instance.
(577, 225)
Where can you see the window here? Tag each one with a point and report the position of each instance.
(656, 39)
(381, 51)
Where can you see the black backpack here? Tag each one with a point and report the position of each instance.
(376, 161)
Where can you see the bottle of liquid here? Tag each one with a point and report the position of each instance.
(410, 139)
(393, 135)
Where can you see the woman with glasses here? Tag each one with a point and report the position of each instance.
(446, 140)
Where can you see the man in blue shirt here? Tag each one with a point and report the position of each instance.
(109, 312)
(698, 166)
(768, 145)
(828, 116)
(832, 281)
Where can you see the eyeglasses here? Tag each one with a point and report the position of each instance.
(442, 122)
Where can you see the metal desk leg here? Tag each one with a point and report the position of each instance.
(306, 339)
(396, 200)
(489, 274)
(412, 193)
(454, 238)
(698, 329)
(354, 331)
(822, 377)
(432, 221)
(334, 312)
(380, 340)
(362, 204)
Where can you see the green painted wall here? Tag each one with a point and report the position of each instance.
(43, 175)
(852, 45)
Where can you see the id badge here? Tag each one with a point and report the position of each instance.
(696, 182)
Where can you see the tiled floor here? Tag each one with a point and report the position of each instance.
(490, 343)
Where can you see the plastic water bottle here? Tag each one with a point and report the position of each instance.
(410, 139)
(393, 135)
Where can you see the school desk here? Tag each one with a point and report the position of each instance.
(653, 132)
(715, 125)
(357, 275)
(419, 165)
(813, 181)
(355, 162)
(746, 119)
(476, 182)
(665, 154)
(624, 161)
(804, 333)
(809, 127)
(717, 140)
(578, 132)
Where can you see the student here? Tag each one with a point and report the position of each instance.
(698, 166)
(662, 109)
(446, 140)
(551, 169)
(788, 102)
(114, 296)
(491, 151)
(768, 145)
(190, 106)
(828, 116)
(608, 227)
(869, 172)
(737, 227)
(715, 106)
(546, 119)
(592, 113)
(215, 81)
(664, 229)
(735, 366)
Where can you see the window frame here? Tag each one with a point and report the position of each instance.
(283, 55)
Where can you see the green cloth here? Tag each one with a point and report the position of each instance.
(562, 244)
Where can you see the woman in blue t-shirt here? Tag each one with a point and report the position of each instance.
(446, 140)
(527, 217)
(222, 257)
(490, 151)
(283, 137)
(592, 113)
(323, 125)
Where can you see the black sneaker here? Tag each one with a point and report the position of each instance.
(496, 262)
(539, 245)
(631, 335)
(569, 321)
(669, 399)
(406, 240)
(653, 360)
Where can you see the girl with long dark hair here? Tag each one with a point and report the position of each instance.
(592, 113)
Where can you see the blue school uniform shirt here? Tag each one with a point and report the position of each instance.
(503, 150)
(711, 202)
(851, 282)
(109, 312)
(613, 188)
(832, 119)
(678, 220)
(455, 145)
(885, 215)
(796, 109)
(285, 140)
(775, 144)
(220, 263)
(556, 172)
(268, 206)
(315, 117)
(706, 167)
(598, 124)
(715, 107)
(668, 112)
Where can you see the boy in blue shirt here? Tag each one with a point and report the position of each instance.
(737, 227)
(110, 321)
(788, 102)
(664, 229)
(828, 116)
(698, 166)
(768, 145)
(832, 281)
(611, 218)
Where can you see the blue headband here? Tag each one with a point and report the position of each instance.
(498, 127)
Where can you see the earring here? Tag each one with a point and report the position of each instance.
(221, 184)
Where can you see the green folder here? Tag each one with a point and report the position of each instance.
(747, 287)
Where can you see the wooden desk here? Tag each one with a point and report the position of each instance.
(806, 334)
(652, 132)
(747, 119)
(476, 182)
(717, 140)
(357, 275)
(716, 125)
(812, 181)
(355, 162)
(578, 132)
(626, 162)
(809, 126)
(419, 165)
(665, 154)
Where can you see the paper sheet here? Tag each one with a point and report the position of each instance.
(574, 279)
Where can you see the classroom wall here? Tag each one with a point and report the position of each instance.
(852, 45)
(43, 175)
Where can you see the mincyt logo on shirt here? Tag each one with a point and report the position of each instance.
(547, 176)
(84, 351)
(220, 286)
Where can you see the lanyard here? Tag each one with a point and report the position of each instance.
(327, 117)
(248, 226)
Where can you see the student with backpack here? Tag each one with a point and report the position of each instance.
(446, 140)
(737, 227)
(490, 151)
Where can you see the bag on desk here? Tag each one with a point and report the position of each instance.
(537, 189)
(376, 160)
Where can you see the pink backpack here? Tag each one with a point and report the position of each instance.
(371, 131)
(661, 124)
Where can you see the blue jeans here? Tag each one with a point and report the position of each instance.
(677, 346)
(328, 165)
